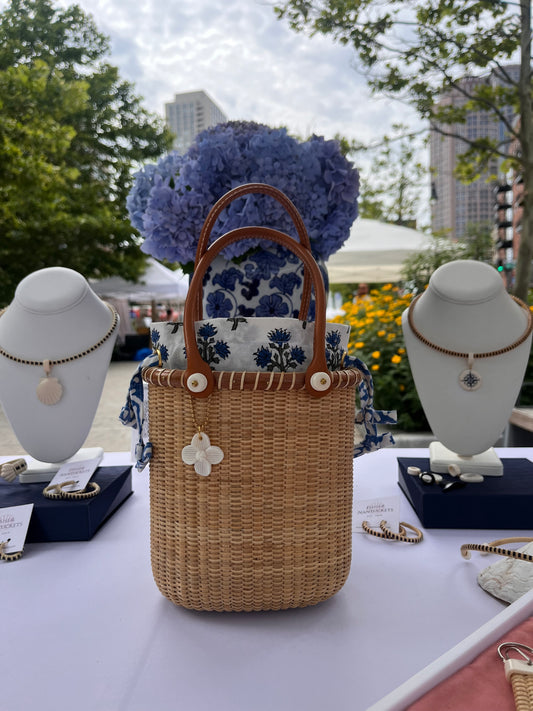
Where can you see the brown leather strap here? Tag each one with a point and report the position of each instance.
(261, 188)
(195, 363)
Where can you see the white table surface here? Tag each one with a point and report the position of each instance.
(84, 626)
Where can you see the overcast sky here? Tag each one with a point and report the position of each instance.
(251, 64)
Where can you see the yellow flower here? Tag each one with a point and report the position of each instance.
(391, 337)
(396, 359)
(401, 388)
(376, 354)
(386, 287)
(401, 351)
(381, 334)
(374, 367)
(359, 344)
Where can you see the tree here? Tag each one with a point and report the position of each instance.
(392, 185)
(477, 244)
(70, 133)
(418, 50)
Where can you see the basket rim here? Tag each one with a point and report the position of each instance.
(249, 380)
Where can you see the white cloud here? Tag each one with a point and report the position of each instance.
(250, 63)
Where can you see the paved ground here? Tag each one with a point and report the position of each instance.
(107, 431)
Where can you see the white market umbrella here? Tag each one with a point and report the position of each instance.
(157, 283)
(375, 252)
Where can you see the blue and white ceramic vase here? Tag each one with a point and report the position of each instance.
(267, 282)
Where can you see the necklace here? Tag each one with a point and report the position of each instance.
(49, 391)
(470, 379)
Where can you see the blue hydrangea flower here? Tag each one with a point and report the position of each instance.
(271, 305)
(170, 200)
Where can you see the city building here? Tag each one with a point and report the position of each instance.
(190, 113)
(455, 205)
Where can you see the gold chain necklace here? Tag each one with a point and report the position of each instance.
(49, 391)
(469, 379)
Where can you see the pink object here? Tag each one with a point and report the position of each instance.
(479, 686)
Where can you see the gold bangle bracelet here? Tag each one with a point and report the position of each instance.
(84, 494)
(9, 557)
(55, 491)
(389, 535)
(494, 548)
(402, 535)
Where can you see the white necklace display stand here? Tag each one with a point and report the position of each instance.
(54, 315)
(466, 309)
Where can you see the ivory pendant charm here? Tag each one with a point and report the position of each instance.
(201, 454)
(49, 391)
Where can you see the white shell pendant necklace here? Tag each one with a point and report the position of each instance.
(50, 391)
(470, 379)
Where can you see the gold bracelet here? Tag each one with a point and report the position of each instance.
(494, 548)
(84, 494)
(55, 491)
(402, 535)
(9, 557)
(389, 535)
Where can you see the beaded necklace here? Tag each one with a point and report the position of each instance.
(49, 391)
(469, 379)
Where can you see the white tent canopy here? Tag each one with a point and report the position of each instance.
(374, 252)
(156, 284)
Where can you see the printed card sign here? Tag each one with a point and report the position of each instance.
(77, 472)
(376, 510)
(14, 522)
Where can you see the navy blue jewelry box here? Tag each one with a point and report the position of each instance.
(64, 520)
(498, 502)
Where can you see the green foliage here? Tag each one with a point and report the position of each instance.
(477, 245)
(376, 338)
(70, 133)
(392, 185)
(420, 50)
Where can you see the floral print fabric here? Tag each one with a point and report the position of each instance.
(251, 344)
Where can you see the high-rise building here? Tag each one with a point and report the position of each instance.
(189, 114)
(454, 204)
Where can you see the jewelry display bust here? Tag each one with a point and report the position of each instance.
(468, 343)
(56, 342)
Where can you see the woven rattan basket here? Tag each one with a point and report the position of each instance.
(270, 527)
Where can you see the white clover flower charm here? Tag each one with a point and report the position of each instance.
(202, 454)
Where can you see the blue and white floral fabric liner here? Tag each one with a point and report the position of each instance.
(251, 344)
(268, 282)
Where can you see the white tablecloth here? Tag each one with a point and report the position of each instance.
(84, 626)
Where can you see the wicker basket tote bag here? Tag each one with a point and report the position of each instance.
(251, 472)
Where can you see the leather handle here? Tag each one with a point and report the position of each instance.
(198, 375)
(264, 189)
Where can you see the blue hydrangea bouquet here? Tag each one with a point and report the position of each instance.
(170, 200)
